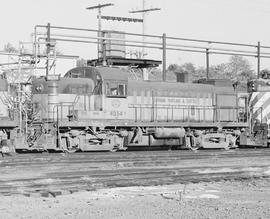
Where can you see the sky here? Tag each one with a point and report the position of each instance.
(241, 21)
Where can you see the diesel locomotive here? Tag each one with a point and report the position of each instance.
(8, 118)
(101, 109)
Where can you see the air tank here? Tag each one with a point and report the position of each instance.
(168, 132)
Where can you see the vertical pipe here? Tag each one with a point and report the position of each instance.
(140, 112)
(26, 118)
(261, 115)
(84, 102)
(258, 59)
(99, 33)
(236, 111)
(189, 109)
(246, 110)
(48, 45)
(207, 63)
(103, 49)
(35, 49)
(204, 114)
(153, 108)
(183, 116)
(20, 96)
(61, 112)
(156, 105)
(164, 57)
(249, 119)
(57, 128)
(54, 60)
(89, 106)
(143, 28)
(20, 107)
(172, 113)
(136, 114)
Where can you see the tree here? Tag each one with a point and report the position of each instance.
(199, 73)
(187, 67)
(239, 68)
(81, 62)
(9, 48)
(173, 67)
(219, 71)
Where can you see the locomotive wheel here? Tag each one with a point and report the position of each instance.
(191, 143)
(194, 147)
(71, 150)
(231, 142)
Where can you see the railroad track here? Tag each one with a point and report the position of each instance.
(54, 174)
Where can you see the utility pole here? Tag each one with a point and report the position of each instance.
(207, 63)
(164, 57)
(99, 7)
(144, 26)
(258, 59)
(144, 11)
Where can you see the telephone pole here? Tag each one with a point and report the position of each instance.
(144, 11)
(99, 7)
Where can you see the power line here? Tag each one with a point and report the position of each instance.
(144, 11)
(99, 7)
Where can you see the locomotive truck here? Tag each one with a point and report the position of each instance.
(101, 109)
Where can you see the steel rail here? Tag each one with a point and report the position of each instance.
(65, 176)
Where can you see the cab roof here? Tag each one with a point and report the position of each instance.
(105, 73)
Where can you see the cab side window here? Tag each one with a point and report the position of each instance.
(115, 89)
(121, 90)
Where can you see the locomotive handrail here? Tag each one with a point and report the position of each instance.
(189, 113)
(7, 100)
(166, 106)
(76, 99)
(182, 106)
(62, 104)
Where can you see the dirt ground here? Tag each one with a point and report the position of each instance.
(224, 199)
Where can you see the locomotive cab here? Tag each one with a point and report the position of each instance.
(109, 95)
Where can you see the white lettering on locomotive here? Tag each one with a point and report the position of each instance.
(179, 101)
